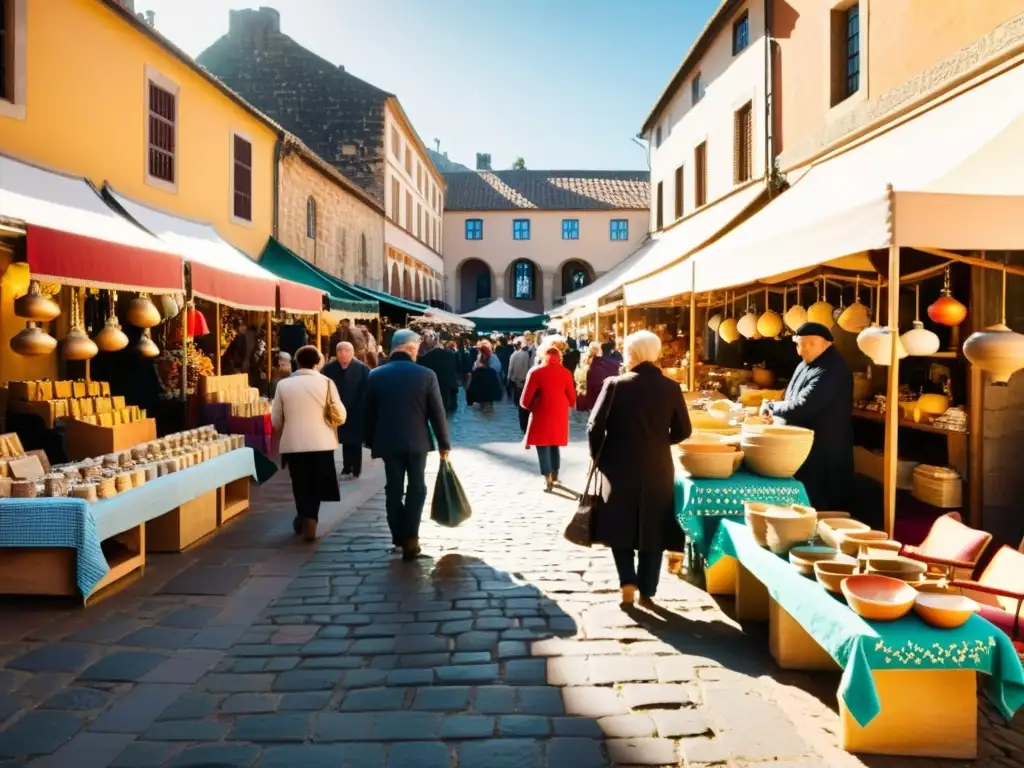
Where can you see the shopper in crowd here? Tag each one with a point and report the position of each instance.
(403, 406)
(585, 400)
(485, 382)
(504, 352)
(637, 417)
(282, 370)
(519, 366)
(305, 438)
(549, 394)
(452, 348)
(608, 364)
(350, 376)
(444, 365)
(571, 357)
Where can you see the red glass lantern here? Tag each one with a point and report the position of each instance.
(946, 310)
(197, 325)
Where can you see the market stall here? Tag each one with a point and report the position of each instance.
(501, 317)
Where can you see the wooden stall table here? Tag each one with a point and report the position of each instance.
(906, 688)
(701, 504)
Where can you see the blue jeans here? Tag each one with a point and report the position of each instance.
(643, 573)
(404, 513)
(549, 458)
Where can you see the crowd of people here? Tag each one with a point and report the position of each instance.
(400, 411)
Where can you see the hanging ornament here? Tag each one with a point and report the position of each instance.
(111, 338)
(856, 317)
(33, 341)
(714, 321)
(197, 325)
(146, 346)
(77, 344)
(796, 315)
(946, 310)
(169, 307)
(727, 329)
(820, 311)
(142, 312)
(747, 325)
(919, 341)
(769, 324)
(876, 342)
(35, 306)
(998, 349)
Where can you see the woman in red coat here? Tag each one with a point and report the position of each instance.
(549, 394)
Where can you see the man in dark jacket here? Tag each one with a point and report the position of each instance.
(445, 366)
(571, 359)
(820, 397)
(403, 405)
(350, 376)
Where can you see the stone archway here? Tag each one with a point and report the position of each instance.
(575, 274)
(396, 280)
(407, 283)
(475, 285)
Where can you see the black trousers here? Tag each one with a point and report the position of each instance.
(405, 493)
(638, 569)
(313, 480)
(524, 414)
(352, 459)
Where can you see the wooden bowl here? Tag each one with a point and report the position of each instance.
(833, 515)
(878, 598)
(718, 466)
(774, 457)
(944, 611)
(753, 516)
(708, 442)
(902, 568)
(789, 526)
(850, 542)
(831, 573)
(804, 557)
(832, 529)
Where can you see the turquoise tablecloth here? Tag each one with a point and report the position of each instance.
(859, 646)
(702, 504)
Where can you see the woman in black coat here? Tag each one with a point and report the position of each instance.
(637, 418)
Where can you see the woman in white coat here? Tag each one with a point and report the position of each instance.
(306, 441)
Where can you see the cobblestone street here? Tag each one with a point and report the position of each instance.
(503, 647)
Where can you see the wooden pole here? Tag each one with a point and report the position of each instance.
(184, 354)
(270, 344)
(597, 323)
(625, 320)
(691, 372)
(892, 402)
(217, 349)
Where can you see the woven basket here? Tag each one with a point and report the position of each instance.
(753, 516)
(718, 466)
(788, 526)
(775, 458)
(938, 486)
(85, 491)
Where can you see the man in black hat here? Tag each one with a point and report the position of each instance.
(820, 397)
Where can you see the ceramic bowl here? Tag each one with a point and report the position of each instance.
(786, 527)
(902, 568)
(753, 516)
(718, 466)
(833, 515)
(831, 573)
(831, 530)
(804, 557)
(850, 542)
(878, 598)
(708, 442)
(944, 611)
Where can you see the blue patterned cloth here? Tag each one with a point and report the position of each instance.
(57, 523)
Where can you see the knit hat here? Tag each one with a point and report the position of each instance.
(403, 337)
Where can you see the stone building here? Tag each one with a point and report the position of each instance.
(361, 130)
(327, 219)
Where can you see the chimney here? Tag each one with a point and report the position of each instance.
(483, 161)
(151, 18)
(254, 27)
(128, 5)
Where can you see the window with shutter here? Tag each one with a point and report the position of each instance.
(743, 144)
(679, 192)
(242, 181)
(659, 214)
(700, 174)
(163, 109)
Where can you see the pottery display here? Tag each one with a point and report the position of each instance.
(718, 466)
(747, 325)
(804, 557)
(707, 442)
(769, 324)
(832, 515)
(142, 312)
(944, 611)
(111, 338)
(32, 341)
(753, 516)
(169, 307)
(714, 321)
(902, 568)
(850, 542)
(776, 451)
(919, 341)
(876, 343)
(35, 306)
(821, 312)
(785, 527)
(146, 346)
(855, 318)
(831, 530)
(795, 317)
(878, 598)
(727, 330)
(78, 346)
(997, 350)
(831, 573)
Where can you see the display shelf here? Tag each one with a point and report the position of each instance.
(232, 499)
(184, 525)
(877, 416)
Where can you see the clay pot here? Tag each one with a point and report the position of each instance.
(855, 318)
(78, 346)
(997, 350)
(728, 331)
(747, 325)
(33, 341)
(111, 338)
(142, 312)
(714, 321)
(35, 306)
(919, 341)
(875, 342)
(947, 311)
(146, 346)
(820, 312)
(769, 324)
(795, 317)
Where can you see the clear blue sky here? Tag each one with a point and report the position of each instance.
(564, 83)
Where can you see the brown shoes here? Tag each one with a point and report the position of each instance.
(628, 595)
(411, 549)
(309, 529)
(549, 482)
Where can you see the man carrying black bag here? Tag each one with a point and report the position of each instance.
(450, 506)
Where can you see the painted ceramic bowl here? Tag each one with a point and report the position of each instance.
(831, 573)
(804, 557)
(878, 598)
(944, 611)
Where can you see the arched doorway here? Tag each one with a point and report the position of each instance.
(525, 289)
(386, 281)
(419, 287)
(407, 284)
(396, 280)
(576, 274)
(475, 285)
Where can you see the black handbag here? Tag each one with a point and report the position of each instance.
(580, 529)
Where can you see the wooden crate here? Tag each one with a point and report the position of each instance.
(232, 499)
(183, 526)
(88, 440)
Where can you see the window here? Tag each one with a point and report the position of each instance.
(396, 199)
(659, 211)
(408, 210)
(419, 220)
(419, 178)
(396, 143)
(620, 229)
(852, 49)
(743, 144)
(679, 192)
(575, 275)
(657, 137)
(474, 229)
(311, 218)
(740, 33)
(845, 53)
(521, 229)
(579, 279)
(364, 259)
(522, 287)
(13, 83)
(241, 183)
(700, 174)
(570, 229)
(696, 89)
(162, 131)
(408, 161)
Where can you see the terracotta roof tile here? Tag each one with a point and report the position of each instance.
(547, 190)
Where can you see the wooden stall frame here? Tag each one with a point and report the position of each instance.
(185, 525)
(232, 500)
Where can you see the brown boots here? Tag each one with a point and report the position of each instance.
(410, 549)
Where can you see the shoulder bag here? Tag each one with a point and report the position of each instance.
(579, 531)
(332, 413)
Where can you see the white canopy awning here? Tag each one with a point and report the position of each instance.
(441, 317)
(499, 309)
(951, 176)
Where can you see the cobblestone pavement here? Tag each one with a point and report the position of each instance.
(503, 647)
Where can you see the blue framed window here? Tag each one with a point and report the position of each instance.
(852, 49)
(740, 33)
(521, 229)
(570, 229)
(474, 229)
(696, 89)
(620, 229)
(522, 286)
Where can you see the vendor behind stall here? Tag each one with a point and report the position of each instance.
(820, 397)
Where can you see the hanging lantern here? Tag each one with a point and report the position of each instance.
(820, 312)
(997, 349)
(856, 317)
(946, 310)
(142, 312)
(197, 325)
(146, 346)
(77, 344)
(714, 321)
(111, 338)
(33, 341)
(727, 330)
(876, 342)
(35, 306)
(769, 324)
(747, 325)
(919, 341)
(795, 317)
(169, 307)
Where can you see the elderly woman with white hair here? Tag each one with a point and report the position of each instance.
(638, 416)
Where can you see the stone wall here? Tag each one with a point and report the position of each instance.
(343, 219)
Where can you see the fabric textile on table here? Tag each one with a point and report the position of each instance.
(701, 504)
(60, 523)
(859, 646)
